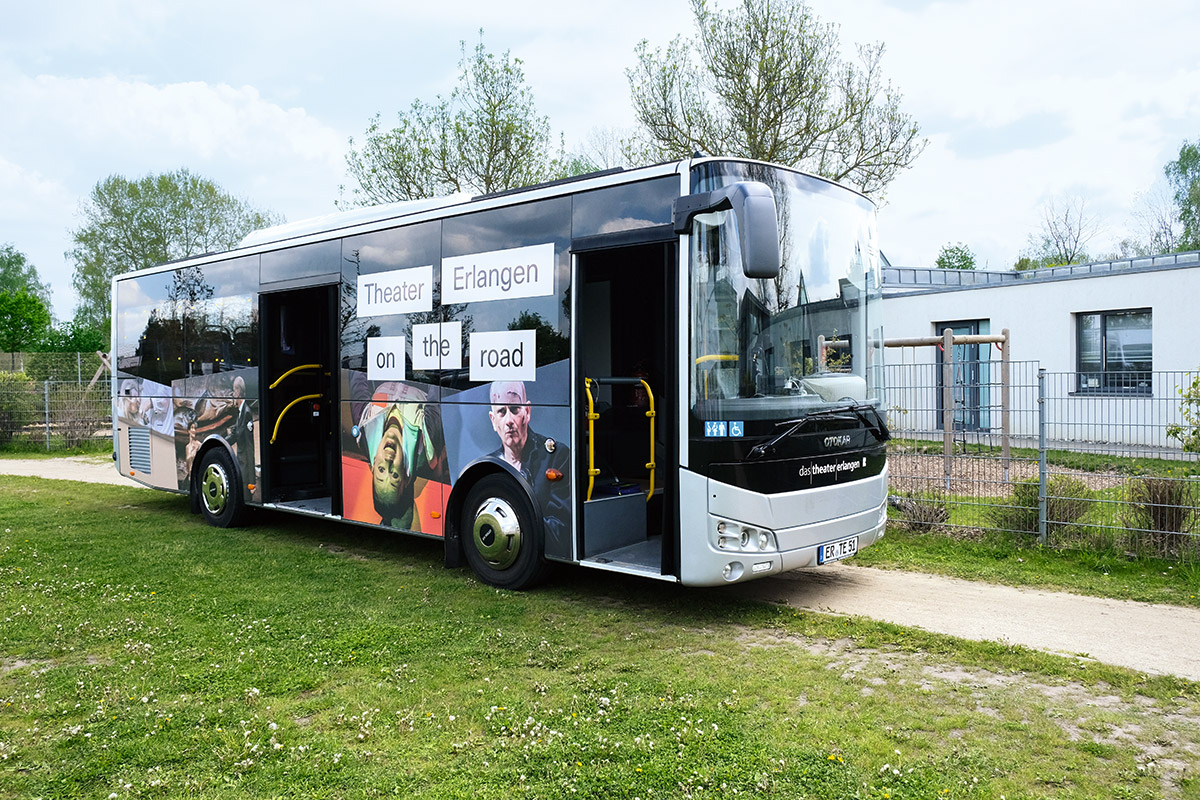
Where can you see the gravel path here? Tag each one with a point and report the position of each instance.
(1150, 638)
(1156, 639)
(89, 469)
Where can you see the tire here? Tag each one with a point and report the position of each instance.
(502, 538)
(218, 490)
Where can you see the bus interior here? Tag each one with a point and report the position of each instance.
(299, 403)
(626, 330)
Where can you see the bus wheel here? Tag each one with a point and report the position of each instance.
(220, 493)
(502, 537)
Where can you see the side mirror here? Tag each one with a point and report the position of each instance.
(753, 207)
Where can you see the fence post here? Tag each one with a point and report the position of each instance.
(948, 404)
(46, 401)
(1005, 402)
(79, 368)
(1042, 456)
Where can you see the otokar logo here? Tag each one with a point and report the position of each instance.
(840, 440)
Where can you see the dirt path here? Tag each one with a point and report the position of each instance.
(89, 469)
(1151, 638)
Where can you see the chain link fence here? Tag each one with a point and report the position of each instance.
(1074, 460)
(54, 400)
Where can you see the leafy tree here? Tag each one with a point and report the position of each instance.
(766, 80)
(485, 137)
(23, 320)
(73, 337)
(955, 256)
(1184, 176)
(17, 273)
(130, 225)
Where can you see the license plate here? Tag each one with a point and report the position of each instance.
(836, 551)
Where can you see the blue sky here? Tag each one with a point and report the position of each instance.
(1021, 101)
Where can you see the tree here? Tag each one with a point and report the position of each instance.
(130, 225)
(73, 337)
(486, 137)
(1157, 222)
(23, 320)
(955, 256)
(1184, 176)
(767, 81)
(1066, 229)
(16, 273)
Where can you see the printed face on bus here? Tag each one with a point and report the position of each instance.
(510, 415)
(390, 469)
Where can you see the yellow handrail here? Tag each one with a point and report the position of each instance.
(651, 414)
(288, 408)
(279, 380)
(592, 416)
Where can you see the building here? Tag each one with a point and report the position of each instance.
(1117, 338)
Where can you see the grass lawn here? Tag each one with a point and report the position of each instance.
(143, 654)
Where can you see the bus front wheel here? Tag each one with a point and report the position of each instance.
(502, 537)
(219, 490)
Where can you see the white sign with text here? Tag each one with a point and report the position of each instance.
(437, 346)
(503, 356)
(385, 358)
(499, 275)
(400, 291)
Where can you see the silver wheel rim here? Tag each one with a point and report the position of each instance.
(496, 534)
(214, 489)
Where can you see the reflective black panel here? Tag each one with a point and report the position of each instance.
(626, 207)
(195, 320)
(319, 259)
(488, 234)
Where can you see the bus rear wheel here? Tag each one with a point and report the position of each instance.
(219, 490)
(502, 536)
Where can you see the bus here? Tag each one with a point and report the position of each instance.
(672, 371)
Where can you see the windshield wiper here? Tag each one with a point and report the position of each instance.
(878, 427)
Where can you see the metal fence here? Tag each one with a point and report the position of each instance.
(66, 406)
(1088, 463)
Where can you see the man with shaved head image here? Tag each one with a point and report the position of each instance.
(541, 461)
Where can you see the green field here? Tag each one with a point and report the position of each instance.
(143, 654)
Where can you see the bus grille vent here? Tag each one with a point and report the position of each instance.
(139, 449)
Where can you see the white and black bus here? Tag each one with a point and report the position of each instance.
(672, 371)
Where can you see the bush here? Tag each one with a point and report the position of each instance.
(78, 414)
(1068, 500)
(18, 404)
(1188, 433)
(61, 366)
(1162, 511)
(923, 511)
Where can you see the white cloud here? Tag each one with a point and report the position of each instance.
(65, 134)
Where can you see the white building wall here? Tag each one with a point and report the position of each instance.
(1041, 318)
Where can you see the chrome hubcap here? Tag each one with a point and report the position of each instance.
(497, 533)
(214, 488)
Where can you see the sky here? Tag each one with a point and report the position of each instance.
(1022, 102)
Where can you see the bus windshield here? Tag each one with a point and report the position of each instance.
(805, 341)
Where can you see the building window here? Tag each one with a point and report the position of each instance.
(1114, 352)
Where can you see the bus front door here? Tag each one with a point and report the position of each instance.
(299, 399)
(627, 332)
